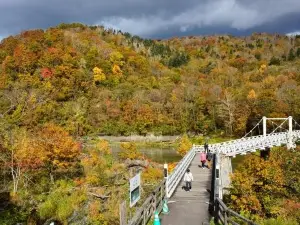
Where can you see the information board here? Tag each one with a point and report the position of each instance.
(135, 186)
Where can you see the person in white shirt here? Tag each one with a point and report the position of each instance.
(188, 178)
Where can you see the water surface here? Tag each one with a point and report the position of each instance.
(169, 154)
(159, 155)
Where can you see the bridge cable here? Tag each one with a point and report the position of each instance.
(278, 126)
(296, 123)
(252, 129)
(273, 126)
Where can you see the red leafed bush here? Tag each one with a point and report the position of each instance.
(46, 73)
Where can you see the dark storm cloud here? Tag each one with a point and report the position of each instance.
(155, 18)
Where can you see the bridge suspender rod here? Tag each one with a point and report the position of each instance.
(296, 123)
(278, 126)
(253, 128)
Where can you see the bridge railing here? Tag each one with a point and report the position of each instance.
(175, 177)
(214, 186)
(153, 203)
(223, 215)
(244, 145)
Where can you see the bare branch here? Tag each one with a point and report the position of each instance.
(102, 197)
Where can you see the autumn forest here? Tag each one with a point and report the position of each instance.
(72, 81)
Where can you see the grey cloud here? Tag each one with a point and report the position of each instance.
(155, 18)
(228, 13)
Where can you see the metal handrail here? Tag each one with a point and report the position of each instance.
(177, 174)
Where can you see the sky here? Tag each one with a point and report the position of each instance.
(155, 18)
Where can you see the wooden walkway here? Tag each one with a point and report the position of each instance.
(190, 208)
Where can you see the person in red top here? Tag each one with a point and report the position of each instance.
(203, 159)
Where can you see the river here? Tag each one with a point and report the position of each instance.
(168, 154)
(160, 155)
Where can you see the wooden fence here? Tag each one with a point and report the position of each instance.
(153, 203)
(225, 216)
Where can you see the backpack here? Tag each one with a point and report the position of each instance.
(209, 156)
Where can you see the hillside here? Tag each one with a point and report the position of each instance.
(60, 84)
(92, 80)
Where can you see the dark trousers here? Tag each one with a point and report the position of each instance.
(206, 148)
(203, 164)
(188, 185)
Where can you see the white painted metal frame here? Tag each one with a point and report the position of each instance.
(251, 144)
(175, 177)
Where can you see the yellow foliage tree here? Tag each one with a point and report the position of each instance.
(152, 175)
(262, 68)
(251, 95)
(184, 146)
(129, 151)
(98, 75)
(116, 58)
(97, 166)
(171, 167)
(103, 147)
(117, 71)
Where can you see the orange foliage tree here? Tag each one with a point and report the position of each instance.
(60, 150)
(19, 154)
(258, 185)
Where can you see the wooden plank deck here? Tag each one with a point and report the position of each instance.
(190, 208)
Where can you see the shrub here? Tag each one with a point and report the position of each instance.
(274, 61)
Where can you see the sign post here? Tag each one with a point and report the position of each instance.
(135, 189)
(166, 170)
(123, 213)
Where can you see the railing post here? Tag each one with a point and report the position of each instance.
(162, 189)
(218, 186)
(216, 212)
(154, 201)
(212, 187)
(144, 217)
(166, 174)
(225, 218)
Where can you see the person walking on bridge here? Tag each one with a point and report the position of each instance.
(188, 178)
(203, 159)
(206, 147)
(209, 157)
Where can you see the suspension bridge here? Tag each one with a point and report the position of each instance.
(199, 205)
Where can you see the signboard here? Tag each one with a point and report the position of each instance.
(135, 192)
